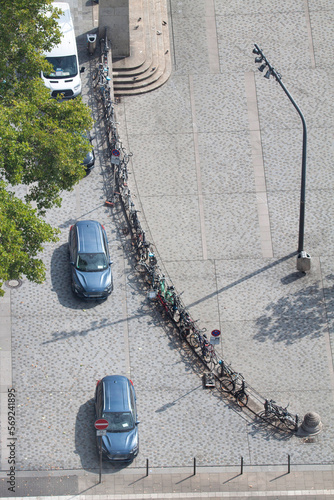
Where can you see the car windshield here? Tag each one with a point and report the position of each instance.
(91, 262)
(63, 67)
(119, 421)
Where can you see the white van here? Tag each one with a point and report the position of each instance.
(65, 77)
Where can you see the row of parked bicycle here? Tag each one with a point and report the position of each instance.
(160, 289)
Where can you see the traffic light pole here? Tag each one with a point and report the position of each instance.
(303, 259)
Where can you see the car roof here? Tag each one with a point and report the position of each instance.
(116, 393)
(90, 237)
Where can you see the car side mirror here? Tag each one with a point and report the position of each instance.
(72, 263)
(110, 262)
(82, 69)
(138, 422)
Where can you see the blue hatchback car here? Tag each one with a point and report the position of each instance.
(115, 401)
(90, 261)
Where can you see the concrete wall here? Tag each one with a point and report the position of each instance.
(114, 14)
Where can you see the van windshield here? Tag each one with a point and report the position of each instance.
(63, 67)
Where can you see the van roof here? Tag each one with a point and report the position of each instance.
(67, 45)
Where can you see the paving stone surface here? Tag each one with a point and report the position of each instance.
(193, 180)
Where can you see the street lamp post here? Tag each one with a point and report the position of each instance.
(303, 258)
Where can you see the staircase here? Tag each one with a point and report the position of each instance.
(149, 64)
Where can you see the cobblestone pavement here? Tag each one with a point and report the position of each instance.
(216, 173)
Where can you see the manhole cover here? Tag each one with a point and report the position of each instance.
(13, 283)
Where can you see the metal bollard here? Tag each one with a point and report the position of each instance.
(242, 466)
(289, 463)
(146, 467)
(194, 474)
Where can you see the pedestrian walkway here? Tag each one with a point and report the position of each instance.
(163, 484)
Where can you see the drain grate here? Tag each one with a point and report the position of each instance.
(13, 283)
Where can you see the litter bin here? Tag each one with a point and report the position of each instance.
(91, 43)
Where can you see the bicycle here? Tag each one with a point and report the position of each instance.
(109, 112)
(141, 245)
(229, 380)
(207, 351)
(224, 370)
(112, 136)
(162, 301)
(98, 72)
(100, 75)
(273, 411)
(133, 218)
(197, 337)
(241, 396)
(228, 384)
(212, 356)
(185, 323)
(152, 275)
(204, 348)
(174, 302)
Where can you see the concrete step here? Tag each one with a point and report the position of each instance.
(143, 42)
(139, 40)
(149, 64)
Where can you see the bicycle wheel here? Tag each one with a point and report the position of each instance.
(163, 303)
(205, 354)
(193, 340)
(95, 73)
(290, 422)
(141, 267)
(242, 398)
(184, 331)
(227, 384)
(98, 80)
(265, 416)
(151, 278)
(213, 358)
(222, 371)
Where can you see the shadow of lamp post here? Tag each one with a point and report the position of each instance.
(303, 258)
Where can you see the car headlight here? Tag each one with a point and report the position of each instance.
(77, 87)
(78, 287)
(134, 450)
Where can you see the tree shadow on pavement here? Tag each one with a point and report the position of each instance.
(296, 315)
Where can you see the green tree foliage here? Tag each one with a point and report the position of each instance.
(26, 33)
(22, 234)
(41, 139)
